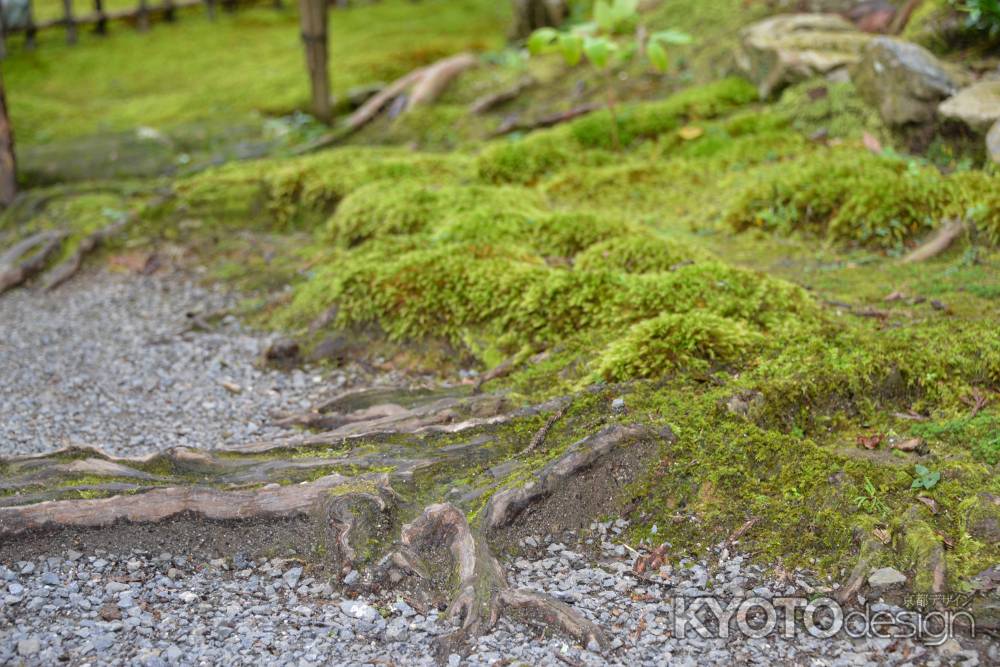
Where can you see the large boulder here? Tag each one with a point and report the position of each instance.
(789, 48)
(993, 142)
(978, 106)
(904, 81)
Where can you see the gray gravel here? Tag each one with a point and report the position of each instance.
(115, 362)
(155, 609)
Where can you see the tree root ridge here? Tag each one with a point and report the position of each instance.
(440, 545)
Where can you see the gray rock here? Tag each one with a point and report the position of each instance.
(978, 106)
(786, 49)
(359, 610)
(396, 631)
(993, 142)
(886, 578)
(292, 576)
(904, 81)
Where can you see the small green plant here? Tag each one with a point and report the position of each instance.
(870, 502)
(603, 39)
(925, 479)
(983, 14)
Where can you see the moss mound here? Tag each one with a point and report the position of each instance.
(853, 196)
(638, 253)
(302, 192)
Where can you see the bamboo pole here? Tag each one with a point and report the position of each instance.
(8, 163)
(29, 28)
(143, 16)
(70, 22)
(101, 28)
(313, 19)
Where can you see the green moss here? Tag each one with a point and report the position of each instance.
(830, 110)
(664, 343)
(638, 253)
(393, 208)
(301, 192)
(853, 196)
(220, 64)
(651, 119)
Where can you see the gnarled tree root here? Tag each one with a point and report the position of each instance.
(14, 271)
(438, 554)
(441, 534)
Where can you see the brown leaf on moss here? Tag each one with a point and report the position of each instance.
(908, 445)
(870, 441)
(930, 503)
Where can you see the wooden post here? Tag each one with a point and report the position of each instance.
(70, 22)
(101, 28)
(530, 15)
(29, 29)
(8, 165)
(210, 6)
(313, 19)
(3, 35)
(168, 11)
(143, 16)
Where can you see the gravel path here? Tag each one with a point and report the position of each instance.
(165, 609)
(111, 361)
(115, 362)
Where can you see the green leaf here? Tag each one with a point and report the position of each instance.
(541, 40)
(571, 47)
(604, 15)
(658, 56)
(921, 469)
(916, 484)
(598, 51)
(671, 37)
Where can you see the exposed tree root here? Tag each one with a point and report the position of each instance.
(439, 544)
(859, 575)
(68, 268)
(551, 120)
(437, 555)
(423, 85)
(491, 101)
(941, 241)
(14, 272)
(160, 504)
(506, 505)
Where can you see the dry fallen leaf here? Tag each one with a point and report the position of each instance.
(930, 502)
(870, 441)
(690, 132)
(882, 535)
(895, 296)
(908, 445)
(871, 142)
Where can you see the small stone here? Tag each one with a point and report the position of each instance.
(292, 576)
(27, 648)
(351, 578)
(188, 597)
(886, 578)
(110, 612)
(618, 406)
(396, 631)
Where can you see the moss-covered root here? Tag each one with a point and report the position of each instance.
(442, 535)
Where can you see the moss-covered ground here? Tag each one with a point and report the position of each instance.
(732, 272)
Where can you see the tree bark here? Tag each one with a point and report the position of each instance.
(8, 165)
(530, 15)
(313, 19)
